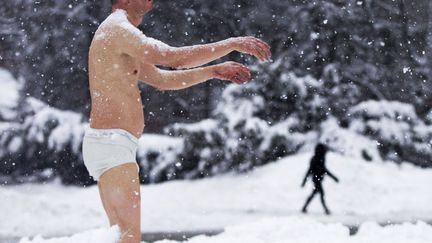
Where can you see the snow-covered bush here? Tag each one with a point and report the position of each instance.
(348, 142)
(399, 132)
(37, 142)
(252, 125)
(429, 117)
(157, 156)
(46, 143)
(9, 95)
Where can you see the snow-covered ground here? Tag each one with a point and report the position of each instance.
(281, 230)
(270, 196)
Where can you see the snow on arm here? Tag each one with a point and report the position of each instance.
(130, 40)
(146, 46)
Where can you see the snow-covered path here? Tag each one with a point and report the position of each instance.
(279, 230)
(377, 192)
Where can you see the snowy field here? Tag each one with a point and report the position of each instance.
(281, 230)
(262, 206)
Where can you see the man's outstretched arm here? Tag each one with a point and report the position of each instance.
(155, 52)
(175, 80)
(332, 175)
(197, 55)
(308, 172)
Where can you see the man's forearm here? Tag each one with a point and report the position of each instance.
(175, 80)
(193, 56)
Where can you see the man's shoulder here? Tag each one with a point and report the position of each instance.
(115, 26)
(115, 31)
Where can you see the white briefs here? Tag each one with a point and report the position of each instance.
(104, 149)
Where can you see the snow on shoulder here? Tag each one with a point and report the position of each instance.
(119, 18)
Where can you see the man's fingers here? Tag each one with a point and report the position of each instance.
(236, 72)
(240, 65)
(236, 80)
(259, 51)
(268, 47)
(247, 73)
(261, 42)
(244, 71)
(243, 76)
(264, 48)
(263, 53)
(236, 64)
(241, 79)
(250, 47)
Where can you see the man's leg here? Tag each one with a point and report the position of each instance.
(304, 209)
(119, 189)
(321, 191)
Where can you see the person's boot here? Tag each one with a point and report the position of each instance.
(304, 210)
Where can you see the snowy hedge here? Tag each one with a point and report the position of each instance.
(253, 124)
(347, 142)
(9, 95)
(400, 134)
(44, 144)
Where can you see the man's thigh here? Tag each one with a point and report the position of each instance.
(120, 192)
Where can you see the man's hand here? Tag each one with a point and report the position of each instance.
(303, 183)
(252, 46)
(232, 71)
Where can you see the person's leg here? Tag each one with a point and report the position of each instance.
(119, 189)
(304, 209)
(321, 191)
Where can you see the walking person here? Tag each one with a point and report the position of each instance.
(317, 170)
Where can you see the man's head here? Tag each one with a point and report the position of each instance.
(133, 7)
(321, 149)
